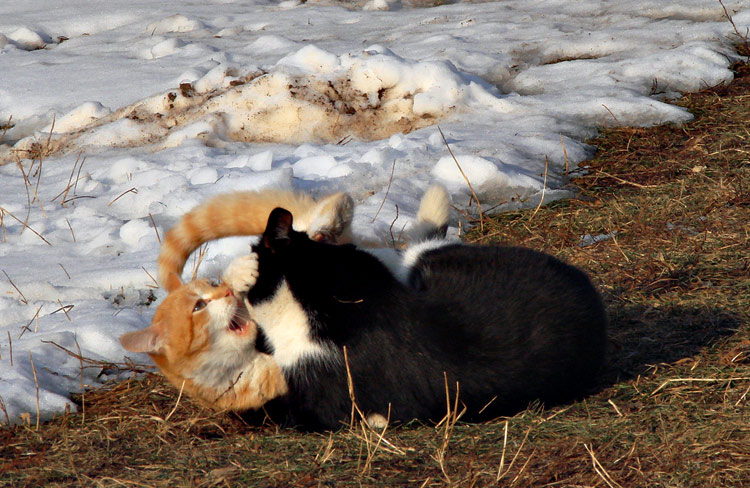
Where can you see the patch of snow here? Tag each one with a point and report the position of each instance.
(26, 39)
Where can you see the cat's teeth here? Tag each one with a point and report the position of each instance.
(239, 323)
(238, 326)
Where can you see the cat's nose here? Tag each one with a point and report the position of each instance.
(229, 293)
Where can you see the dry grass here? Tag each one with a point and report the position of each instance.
(672, 409)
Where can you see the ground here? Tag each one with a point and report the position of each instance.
(672, 406)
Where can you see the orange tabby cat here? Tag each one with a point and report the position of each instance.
(246, 214)
(203, 339)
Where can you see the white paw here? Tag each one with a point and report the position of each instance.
(377, 421)
(242, 273)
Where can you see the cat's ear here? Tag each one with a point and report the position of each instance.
(146, 340)
(172, 282)
(278, 229)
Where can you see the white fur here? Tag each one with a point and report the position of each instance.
(391, 258)
(332, 214)
(228, 353)
(287, 328)
(410, 257)
(434, 212)
(242, 273)
(377, 421)
(435, 207)
(400, 263)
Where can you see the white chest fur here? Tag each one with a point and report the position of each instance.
(287, 328)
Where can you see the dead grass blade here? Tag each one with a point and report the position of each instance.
(73, 234)
(599, 469)
(176, 404)
(387, 190)
(35, 317)
(131, 190)
(36, 386)
(544, 188)
(25, 225)
(156, 230)
(742, 37)
(471, 188)
(23, 298)
(156, 283)
(697, 380)
(503, 474)
(197, 260)
(10, 348)
(448, 423)
(127, 366)
(370, 438)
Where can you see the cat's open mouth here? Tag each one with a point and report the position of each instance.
(240, 322)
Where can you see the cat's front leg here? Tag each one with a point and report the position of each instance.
(242, 273)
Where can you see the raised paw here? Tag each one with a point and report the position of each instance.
(242, 273)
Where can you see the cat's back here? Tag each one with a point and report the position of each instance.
(505, 293)
(460, 270)
(525, 325)
(516, 289)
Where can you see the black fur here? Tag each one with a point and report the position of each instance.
(510, 325)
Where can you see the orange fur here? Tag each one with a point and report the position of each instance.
(246, 213)
(199, 352)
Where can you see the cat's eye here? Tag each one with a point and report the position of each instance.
(199, 305)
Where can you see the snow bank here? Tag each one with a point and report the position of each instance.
(309, 96)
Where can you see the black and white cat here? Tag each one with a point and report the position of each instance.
(509, 325)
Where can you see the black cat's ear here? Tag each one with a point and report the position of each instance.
(278, 229)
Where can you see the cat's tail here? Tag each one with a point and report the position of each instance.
(246, 213)
(433, 215)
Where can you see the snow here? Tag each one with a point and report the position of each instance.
(141, 110)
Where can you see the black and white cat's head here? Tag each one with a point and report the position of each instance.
(286, 324)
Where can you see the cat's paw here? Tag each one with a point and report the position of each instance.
(377, 421)
(242, 273)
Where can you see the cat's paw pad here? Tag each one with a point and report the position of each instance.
(242, 273)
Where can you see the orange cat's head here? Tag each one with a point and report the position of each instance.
(203, 339)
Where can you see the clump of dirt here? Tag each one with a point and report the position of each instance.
(258, 107)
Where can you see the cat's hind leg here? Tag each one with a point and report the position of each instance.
(331, 219)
